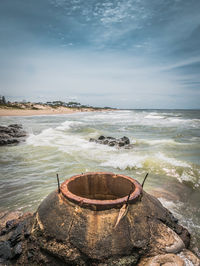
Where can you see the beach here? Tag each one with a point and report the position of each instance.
(42, 110)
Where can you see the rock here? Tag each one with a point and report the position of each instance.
(111, 138)
(189, 258)
(17, 235)
(121, 143)
(164, 239)
(16, 126)
(8, 218)
(183, 258)
(165, 260)
(106, 141)
(124, 261)
(125, 140)
(111, 141)
(11, 134)
(17, 250)
(10, 223)
(101, 138)
(5, 250)
(30, 254)
(92, 140)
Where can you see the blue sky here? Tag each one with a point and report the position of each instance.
(125, 53)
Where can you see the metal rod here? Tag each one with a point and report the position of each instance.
(58, 183)
(144, 179)
(132, 188)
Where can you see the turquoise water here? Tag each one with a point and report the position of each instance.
(166, 145)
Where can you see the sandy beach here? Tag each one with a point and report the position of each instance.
(41, 111)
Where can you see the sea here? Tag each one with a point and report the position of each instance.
(166, 145)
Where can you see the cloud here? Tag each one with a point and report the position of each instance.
(95, 79)
(144, 52)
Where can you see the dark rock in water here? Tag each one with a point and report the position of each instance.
(125, 140)
(101, 137)
(92, 140)
(106, 141)
(111, 141)
(15, 126)
(11, 134)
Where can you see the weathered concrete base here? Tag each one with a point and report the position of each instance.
(62, 233)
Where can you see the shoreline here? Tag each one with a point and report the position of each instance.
(45, 111)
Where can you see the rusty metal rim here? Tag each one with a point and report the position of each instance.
(85, 201)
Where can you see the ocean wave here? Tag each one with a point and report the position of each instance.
(127, 160)
(187, 216)
(190, 177)
(172, 161)
(74, 145)
(159, 142)
(44, 138)
(154, 116)
(190, 123)
(175, 208)
(125, 119)
(69, 124)
(159, 164)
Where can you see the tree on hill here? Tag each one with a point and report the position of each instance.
(2, 100)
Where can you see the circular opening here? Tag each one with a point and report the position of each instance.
(100, 189)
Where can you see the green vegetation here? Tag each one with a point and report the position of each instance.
(54, 104)
(78, 105)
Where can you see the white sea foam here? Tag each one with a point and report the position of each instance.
(176, 208)
(143, 118)
(159, 141)
(69, 124)
(74, 145)
(154, 116)
(188, 176)
(77, 146)
(42, 139)
(171, 160)
(156, 161)
(125, 161)
(191, 123)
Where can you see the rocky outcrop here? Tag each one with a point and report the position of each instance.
(74, 227)
(8, 216)
(13, 236)
(111, 141)
(11, 134)
(183, 258)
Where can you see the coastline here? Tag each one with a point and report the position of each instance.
(44, 111)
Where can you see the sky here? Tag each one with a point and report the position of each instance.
(118, 53)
